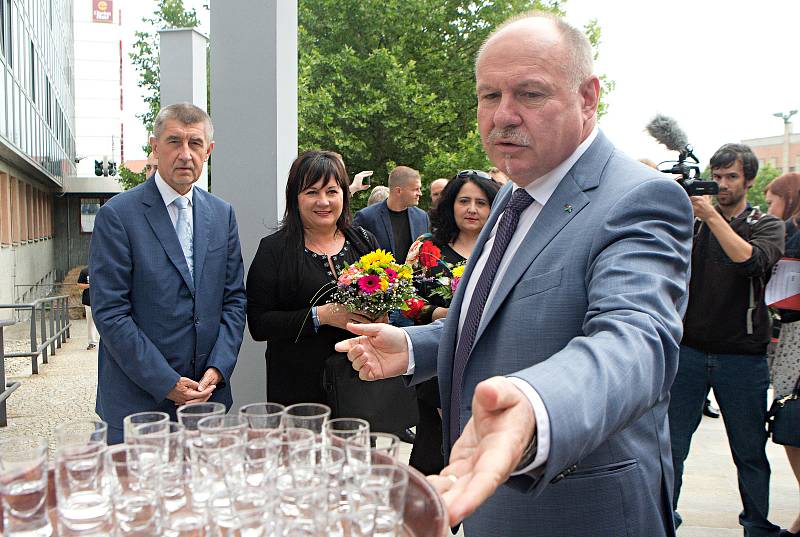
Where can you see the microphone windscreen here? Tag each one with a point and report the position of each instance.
(666, 131)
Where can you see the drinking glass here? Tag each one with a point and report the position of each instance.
(284, 441)
(263, 416)
(354, 517)
(135, 483)
(189, 415)
(223, 425)
(385, 443)
(168, 438)
(23, 485)
(246, 512)
(386, 484)
(211, 458)
(303, 501)
(311, 416)
(140, 418)
(81, 433)
(82, 492)
(346, 429)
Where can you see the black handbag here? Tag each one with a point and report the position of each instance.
(784, 418)
(388, 405)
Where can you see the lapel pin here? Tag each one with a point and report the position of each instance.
(568, 208)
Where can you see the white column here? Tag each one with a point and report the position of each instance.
(254, 109)
(183, 72)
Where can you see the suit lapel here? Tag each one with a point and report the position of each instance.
(566, 202)
(158, 218)
(550, 221)
(202, 230)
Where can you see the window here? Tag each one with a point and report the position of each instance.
(89, 208)
(30, 212)
(5, 208)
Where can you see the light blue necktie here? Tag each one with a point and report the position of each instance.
(183, 227)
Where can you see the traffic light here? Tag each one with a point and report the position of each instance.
(112, 168)
(98, 167)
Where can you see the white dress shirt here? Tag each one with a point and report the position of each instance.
(540, 190)
(169, 195)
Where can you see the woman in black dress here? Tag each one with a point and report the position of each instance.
(293, 274)
(457, 221)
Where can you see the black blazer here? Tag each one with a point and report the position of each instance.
(281, 284)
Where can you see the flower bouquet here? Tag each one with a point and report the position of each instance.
(375, 285)
(425, 256)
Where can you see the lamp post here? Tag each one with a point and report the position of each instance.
(787, 133)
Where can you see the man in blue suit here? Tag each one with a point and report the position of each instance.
(561, 342)
(397, 221)
(167, 282)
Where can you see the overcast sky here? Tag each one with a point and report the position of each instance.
(720, 68)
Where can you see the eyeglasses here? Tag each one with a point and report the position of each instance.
(475, 174)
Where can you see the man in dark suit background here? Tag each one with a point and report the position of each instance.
(167, 282)
(397, 222)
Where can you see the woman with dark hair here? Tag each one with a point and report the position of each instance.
(783, 197)
(295, 270)
(457, 220)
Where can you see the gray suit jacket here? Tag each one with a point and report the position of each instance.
(589, 313)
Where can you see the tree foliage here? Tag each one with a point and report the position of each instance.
(766, 173)
(386, 83)
(129, 179)
(168, 14)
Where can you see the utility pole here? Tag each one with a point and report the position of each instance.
(787, 134)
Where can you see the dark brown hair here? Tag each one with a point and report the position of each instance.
(307, 169)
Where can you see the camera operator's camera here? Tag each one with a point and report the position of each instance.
(690, 173)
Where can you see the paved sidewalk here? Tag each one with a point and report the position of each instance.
(65, 390)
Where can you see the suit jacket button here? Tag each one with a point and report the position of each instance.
(197, 320)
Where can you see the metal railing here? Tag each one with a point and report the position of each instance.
(54, 325)
(7, 388)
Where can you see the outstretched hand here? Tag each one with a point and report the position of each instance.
(489, 449)
(380, 351)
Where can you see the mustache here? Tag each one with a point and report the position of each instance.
(512, 135)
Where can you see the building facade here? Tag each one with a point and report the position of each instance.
(769, 150)
(37, 141)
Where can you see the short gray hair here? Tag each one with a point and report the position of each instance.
(581, 57)
(185, 113)
(378, 194)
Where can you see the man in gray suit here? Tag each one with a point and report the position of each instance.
(558, 351)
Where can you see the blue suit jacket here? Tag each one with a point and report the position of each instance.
(156, 323)
(375, 218)
(589, 314)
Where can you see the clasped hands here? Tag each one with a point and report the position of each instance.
(492, 443)
(188, 391)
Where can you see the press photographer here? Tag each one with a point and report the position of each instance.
(727, 329)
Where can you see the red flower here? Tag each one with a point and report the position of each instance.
(370, 283)
(429, 254)
(415, 306)
(391, 275)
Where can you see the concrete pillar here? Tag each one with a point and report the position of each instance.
(254, 108)
(183, 72)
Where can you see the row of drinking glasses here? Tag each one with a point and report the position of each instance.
(267, 471)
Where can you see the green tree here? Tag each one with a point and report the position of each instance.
(129, 179)
(755, 196)
(392, 82)
(168, 14)
(145, 58)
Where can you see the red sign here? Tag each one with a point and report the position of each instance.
(103, 11)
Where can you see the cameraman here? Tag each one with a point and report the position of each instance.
(726, 331)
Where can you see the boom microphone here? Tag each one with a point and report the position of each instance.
(667, 132)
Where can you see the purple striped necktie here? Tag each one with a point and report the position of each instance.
(520, 200)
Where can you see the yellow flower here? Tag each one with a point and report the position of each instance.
(458, 271)
(384, 284)
(377, 258)
(405, 273)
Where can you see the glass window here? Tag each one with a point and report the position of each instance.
(89, 208)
